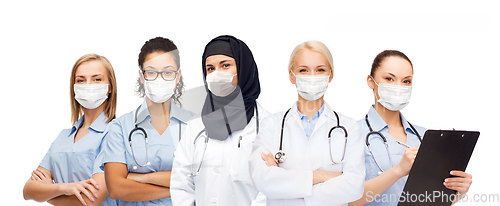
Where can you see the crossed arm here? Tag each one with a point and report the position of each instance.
(135, 187)
(319, 176)
(41, 188)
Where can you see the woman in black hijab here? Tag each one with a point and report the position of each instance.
(211, 162)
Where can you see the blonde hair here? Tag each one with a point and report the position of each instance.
(110, 108)
(316, 46)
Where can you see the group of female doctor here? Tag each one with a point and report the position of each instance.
(237, 153)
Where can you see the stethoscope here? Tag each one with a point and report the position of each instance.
(385, 142)
(204, 131)
(280, 155)
(137, 128)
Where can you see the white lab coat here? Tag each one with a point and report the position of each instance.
(224, 177)
(291, 182)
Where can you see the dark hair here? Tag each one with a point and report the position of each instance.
(383, 55)
(160, 44)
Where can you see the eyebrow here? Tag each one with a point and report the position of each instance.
(224, 61)
(163, 67)
(221, 62)
(395, 75)
(91, 76)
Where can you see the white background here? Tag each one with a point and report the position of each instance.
(454, 47)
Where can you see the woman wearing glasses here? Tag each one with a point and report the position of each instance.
(211, 163)
(139, 147)
(309, 154)
(69, 174)
(387, 167)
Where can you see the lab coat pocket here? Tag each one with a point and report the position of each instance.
(239, 169)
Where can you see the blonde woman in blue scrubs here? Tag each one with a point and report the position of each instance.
(138, 171)
(69, 174)
(391, 79)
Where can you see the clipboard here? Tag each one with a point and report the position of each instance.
(440, 152)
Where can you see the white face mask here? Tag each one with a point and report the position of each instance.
(220, 83)
(311, 87)
(393, 97)
(90, 96)
(159, 90)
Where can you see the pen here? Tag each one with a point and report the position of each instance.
(403, 144)
(239, 141)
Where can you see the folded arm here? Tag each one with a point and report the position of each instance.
(155, 178)
(121, 188)
(69, 200)
(348, 186)
(41, 188)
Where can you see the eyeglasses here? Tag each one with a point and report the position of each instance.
(167, 75)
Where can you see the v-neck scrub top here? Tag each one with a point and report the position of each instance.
(160, 147)
(70, 161)
(391, 195)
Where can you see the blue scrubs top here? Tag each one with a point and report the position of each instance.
(391, 195)
(160, 147)
(70, 161)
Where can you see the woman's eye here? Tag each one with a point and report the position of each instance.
(80, 81)
(97, 80)
(226, 65)
(388, 78)
(302, 70)
(150, 72)
(407, 81)
(210, 68)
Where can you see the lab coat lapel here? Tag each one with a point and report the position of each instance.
(296, 118)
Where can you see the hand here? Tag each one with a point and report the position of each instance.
(137, 177)
(41, 175)
(269, 159)
(87, 187)
(406, 162)
(461, 183)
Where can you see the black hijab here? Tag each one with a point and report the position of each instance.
(229, 112)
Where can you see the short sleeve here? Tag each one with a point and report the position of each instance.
(46, 161)
(99, 160)
(113, 146)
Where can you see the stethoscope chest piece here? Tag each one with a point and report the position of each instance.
(280, 157)
(136, 167)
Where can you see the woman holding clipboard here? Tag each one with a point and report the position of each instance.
(391, 142)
